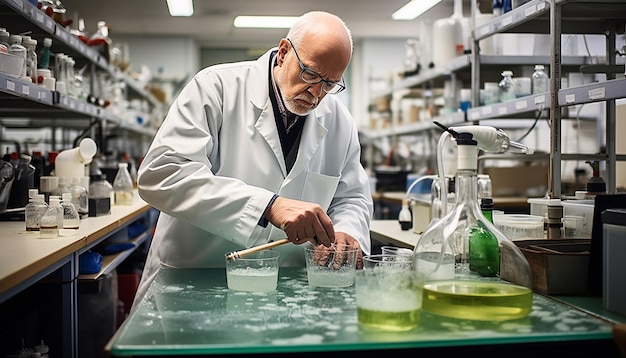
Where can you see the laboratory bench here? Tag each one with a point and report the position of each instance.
(192, 312)
(387, 204)
(40, 278)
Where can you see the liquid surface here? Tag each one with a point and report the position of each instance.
(389, 320)
(486, 301)
(252, 280)
(320, 276)
(123, 198)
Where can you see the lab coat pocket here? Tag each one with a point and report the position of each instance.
(320, 188)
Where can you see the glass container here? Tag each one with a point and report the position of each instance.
(101, 197)
(540, 81)
(71, 220)
(79, 196)
(507, 87)
(442, 253)
(123, 186)
(51, 220)
(33, 212)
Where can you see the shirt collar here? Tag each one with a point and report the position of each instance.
(284, 113)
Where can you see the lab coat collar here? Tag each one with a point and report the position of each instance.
(312, 133)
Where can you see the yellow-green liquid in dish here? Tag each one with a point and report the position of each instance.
(389, 320)
(476, 300)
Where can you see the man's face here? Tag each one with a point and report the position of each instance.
(300, 97)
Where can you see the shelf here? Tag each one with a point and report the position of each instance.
(508, 109)
(16, 11)
(19, 88)
(452, 119)
(32, 106)
(512, 19)
(462, 63)
(594, 92)
(110, 262)
(579, 17)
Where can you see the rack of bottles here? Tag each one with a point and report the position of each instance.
(550, 17)
(25, 104)
(553, 17)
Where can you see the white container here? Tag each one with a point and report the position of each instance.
(450, 36)
(539, 206)
(11, 64)
(256, 272)
(581, 208)
(70, 163)
(519, 226)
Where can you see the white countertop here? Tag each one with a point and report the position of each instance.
(24, 254)
(389, 232)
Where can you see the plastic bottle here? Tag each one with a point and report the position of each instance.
(450, 36)
(4, 40)
(18, 49)
(484, 252)
(123, 185)
(540, 80)
(44, 54)
(71, 220)
(33, 212)
(79, 196)
(404, 217)
(31, 58)
(51, 220)
(507, 87)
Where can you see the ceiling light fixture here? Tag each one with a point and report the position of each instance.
(413, 9)
(265, 22)
(180, 7)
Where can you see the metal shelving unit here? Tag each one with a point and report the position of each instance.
(553, 17)
(24, 105)
(606, 17)
(557, 17)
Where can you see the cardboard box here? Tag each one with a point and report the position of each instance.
(522, 180)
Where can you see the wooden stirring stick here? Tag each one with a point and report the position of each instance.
(238, 254)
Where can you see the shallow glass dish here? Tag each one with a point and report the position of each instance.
(477, 300)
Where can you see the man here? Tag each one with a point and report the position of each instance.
(252, 151)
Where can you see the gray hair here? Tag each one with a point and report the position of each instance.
(304, 25)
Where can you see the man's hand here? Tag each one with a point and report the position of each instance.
(344, 241)
(301, 221)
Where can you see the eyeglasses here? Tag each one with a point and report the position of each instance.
(312, 77)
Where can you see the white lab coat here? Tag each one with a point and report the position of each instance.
(216, 161)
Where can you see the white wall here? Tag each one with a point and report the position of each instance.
(170, 57)
(373, 64)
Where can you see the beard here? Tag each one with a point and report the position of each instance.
(294, 107)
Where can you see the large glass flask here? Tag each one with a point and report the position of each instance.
(442, 252)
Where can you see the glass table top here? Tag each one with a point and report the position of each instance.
(191, 311)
